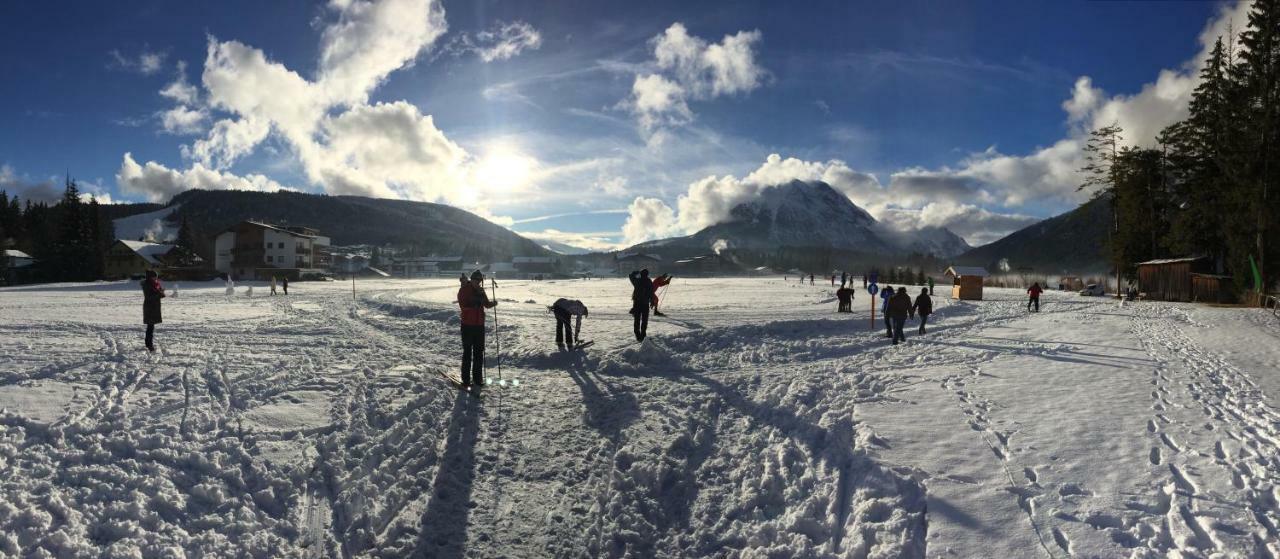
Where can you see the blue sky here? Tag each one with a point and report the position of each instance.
(959, 114)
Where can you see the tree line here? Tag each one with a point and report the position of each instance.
(1207, 188)
(68, 240)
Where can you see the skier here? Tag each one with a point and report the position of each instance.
(658, 283)
(810, 279)
(845, 296)
(563, 309)
(1034, 291)
(899, 308)
(833, 280)
(844, 277)
(923, 307)
(152, 293)
(231, 285)
(273, 285)
(472, 301)
(930, 291)
(864, 281)
(641, 296)
(285, 283)
(885, 293)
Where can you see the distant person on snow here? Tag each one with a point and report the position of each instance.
(833, 280)
(845, 296)
(844, 277)
(473, 301)
(810, 279)
(231, 285)
(923, 307)
(1034, 291)
(899, 308)
(885, 293)
(152, 293)
(658, 283)
(864, 281)
(564, 309)
(930, 290)
(273, 285)
(285, 283)
(641, 298)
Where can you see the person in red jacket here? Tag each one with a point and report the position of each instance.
(1034, 291)
(473, 301)
(658, 283)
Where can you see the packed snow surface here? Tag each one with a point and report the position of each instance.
(754, 422)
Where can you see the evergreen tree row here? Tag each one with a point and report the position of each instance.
(68, 240)
(1208, 187)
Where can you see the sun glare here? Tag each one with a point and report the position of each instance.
(504, 169)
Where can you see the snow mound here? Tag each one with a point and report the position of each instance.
(649, 357)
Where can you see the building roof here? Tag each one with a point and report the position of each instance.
(151, 252)
(11, 253)
(1171, 260)
(533, 260)
(961, 271)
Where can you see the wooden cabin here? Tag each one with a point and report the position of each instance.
(967, 282)
(1211, 288)
(1170, 279)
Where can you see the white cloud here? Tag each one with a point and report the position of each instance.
(601, 241)
(146, 63)
(648, 218)
(688, 68)
(183, 120)
(180, 90)
(158, 183)
(370, 40)
(500, 42)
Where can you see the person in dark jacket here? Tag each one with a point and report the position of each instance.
(845, 296)
(1034, 292)
(923, 307)
(152, 293)
(886, 292)
(641, 297)
(564, 310)
(473, 301)
(285, 283)
(899, 309)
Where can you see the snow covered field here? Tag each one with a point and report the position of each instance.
(754, 422)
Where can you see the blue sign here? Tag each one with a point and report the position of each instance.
(873, 289)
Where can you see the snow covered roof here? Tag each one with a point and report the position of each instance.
(16, 254)
(278, 228)
(961, 271)
(1171, 260)
(533, 260)
(151, 252)
(639, 256)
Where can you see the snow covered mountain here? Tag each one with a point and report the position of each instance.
(807, 216)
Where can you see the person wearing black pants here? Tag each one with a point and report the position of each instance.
(473, 301)
(152, 293)
(641, 298)
(923, 307)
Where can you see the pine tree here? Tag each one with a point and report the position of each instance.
(1260, 73)
(920, 279)
(1101, 151)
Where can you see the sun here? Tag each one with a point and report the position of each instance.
(503, 168)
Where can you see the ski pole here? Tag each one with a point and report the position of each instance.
(497, 336)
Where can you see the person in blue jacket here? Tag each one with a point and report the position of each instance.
(885, 293)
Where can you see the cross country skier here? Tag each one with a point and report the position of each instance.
(473, 301)
(1034, 291)
(899, 308)
(286, 285)
(923, 307)
(658, 283)
(885, 293)
(641, 295)
(931, 285)
(563, 309)
(152, 293)
(810, 279)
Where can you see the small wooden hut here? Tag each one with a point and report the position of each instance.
(967, 282)
(1169, 279)
(1210, 288)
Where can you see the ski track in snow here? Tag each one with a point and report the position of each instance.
(319, 426)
